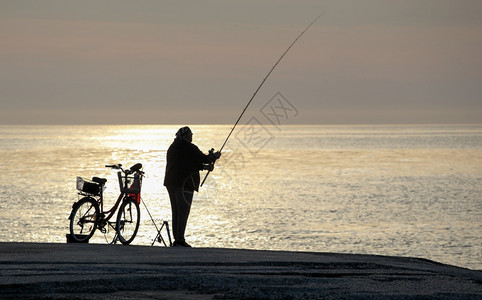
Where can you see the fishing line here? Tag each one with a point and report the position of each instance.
(259, 87)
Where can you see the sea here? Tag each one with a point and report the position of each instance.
(399, 190)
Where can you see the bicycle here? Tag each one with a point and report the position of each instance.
(88, 212)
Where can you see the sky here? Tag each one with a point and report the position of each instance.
(199, 62)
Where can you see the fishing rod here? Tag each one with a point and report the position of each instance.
(259, 87)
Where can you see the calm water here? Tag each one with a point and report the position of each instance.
(392, 190)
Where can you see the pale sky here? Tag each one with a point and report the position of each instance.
(199, 62)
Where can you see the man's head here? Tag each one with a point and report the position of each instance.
(184, 133)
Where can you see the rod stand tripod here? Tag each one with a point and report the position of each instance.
(159, 237)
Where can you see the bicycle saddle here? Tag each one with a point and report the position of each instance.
(136, 167)
(100, 181)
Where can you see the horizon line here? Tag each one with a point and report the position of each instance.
(228, 124)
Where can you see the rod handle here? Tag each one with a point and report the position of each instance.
(205, 177)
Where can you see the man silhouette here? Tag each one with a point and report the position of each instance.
(184, 161)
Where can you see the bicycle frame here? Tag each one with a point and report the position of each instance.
(125, 192)
(111, 211)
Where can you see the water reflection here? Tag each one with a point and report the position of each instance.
(360, 189)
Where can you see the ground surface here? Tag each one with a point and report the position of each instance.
(86, 271)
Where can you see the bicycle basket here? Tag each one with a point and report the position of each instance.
(88, 187)
(133, 183)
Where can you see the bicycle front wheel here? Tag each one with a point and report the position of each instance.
(83, 219)
(128, 220)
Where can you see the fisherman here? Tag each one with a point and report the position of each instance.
(184, 161)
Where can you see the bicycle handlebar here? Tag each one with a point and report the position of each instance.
(118, 166)
(135, 168)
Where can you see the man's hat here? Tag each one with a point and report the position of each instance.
(183, 132)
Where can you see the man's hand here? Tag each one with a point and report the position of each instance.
(214, 155)
(208, 167)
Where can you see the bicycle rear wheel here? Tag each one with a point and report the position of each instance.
(83, 219)
(128, 220)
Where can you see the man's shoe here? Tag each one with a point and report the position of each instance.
(183, 244)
